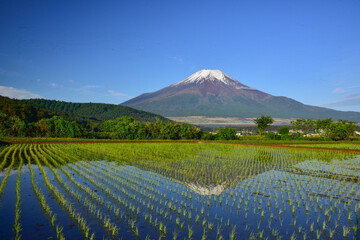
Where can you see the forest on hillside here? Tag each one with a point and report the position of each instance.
(95, 111)
(21, 119)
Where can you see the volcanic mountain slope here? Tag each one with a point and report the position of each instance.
(212, 93)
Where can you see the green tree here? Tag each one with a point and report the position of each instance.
(263, 122)
(226, 134)
(303, 125)
(127, 128)
(188, 131)
(19, 128)
(341, 130)
(59, 127)
(6, 124)
(322, 126)
(284, 130)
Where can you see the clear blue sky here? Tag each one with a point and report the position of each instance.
(111, 51)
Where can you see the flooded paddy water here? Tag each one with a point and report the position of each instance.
(177, 191)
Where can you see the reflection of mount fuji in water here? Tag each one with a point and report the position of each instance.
(334, 170)
(301, 165)
(210, 190)
(214, 169)
(261, 157)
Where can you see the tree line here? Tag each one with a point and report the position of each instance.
(28, 118)
(127, 128)
(25, 120)
(323, 128)
(120, 128)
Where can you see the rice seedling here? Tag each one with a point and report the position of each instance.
(190, 232)
(346, 231)
(232, 233)
(4, 181)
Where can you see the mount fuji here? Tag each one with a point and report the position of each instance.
(212, 93)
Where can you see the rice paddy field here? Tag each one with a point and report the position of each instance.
(338, 145)
(177, 191)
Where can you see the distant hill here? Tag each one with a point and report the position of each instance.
(94, 111)
(212, 93)
(23, 111)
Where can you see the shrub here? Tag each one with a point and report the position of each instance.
(273, 136)
(284, 130)
(226, 134)
(208, 136)
(341, 130)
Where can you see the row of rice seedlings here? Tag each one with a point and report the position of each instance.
(42, 200)
(314, 188)
(91, 208)
(17, 224)
(160, 201)
(83, 202)
(154, 151)
(106, 187)
(129, 214)
(99, 149)
(296, 191)
(293, 202)
(60, 161)
(318, 206)
(258, 204)
(61, 199)
(3, 150)
(196, 170)
(193, 168)
(138, 198)
(109, 177)
(5, 153)
(289, 197)
(110, 207)
(94, 175)
(13, 160)
(186, 212)
(289, 191)
(130, 182)
(328, 145)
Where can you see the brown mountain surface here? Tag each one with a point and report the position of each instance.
(212, 93)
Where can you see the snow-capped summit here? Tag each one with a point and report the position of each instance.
(215, 76)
